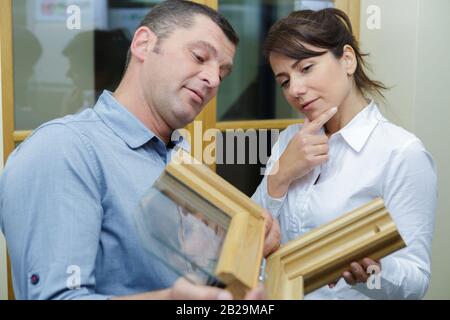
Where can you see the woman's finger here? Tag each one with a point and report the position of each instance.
(273, 239)
(320, 149)
(269, 221)
(358, 272)
(314, 126)
(349, 278)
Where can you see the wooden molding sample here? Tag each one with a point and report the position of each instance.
(187, 181)
(322, 255)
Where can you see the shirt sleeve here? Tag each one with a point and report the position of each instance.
(52, 215)
(261, 195)
(410, 195)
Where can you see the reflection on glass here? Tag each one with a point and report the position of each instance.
(60, 69)
(185, 240)
(250, 92)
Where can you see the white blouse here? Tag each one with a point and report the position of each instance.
(369, 158)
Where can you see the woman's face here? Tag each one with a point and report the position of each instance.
(316, 84)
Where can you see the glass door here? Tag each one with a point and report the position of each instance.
(249, 98)
(57, 56)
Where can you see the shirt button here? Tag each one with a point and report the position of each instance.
(34, 279)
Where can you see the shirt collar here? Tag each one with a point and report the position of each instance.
(124, 124)
(358, 130)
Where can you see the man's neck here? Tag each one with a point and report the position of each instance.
(131, 95)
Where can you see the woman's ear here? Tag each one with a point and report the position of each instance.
(349, 60)
(144, 41)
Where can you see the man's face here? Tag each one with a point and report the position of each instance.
(183, 73)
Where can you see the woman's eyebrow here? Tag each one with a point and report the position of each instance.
(293, 66)
(281, 74)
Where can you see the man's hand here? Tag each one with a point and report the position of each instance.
(185, 290)
(358, 272)
(272, 235)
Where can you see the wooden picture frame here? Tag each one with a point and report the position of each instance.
(238, 266)
(298, 267)
(322, 255)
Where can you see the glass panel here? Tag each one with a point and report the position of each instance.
(250, 92)
(190, 237)
(245, 175)
(63, 61)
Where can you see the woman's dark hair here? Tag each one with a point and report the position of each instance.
(329, 29)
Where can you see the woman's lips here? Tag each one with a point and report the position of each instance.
(309, 105)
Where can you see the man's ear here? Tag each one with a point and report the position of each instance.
(349, 60)
(144, 41)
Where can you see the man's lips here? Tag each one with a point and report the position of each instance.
(306, 105)
(197, 95)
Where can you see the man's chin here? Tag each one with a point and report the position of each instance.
(183, 120)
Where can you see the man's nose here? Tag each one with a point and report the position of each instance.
(211, 76)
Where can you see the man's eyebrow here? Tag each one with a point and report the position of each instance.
(208, 46)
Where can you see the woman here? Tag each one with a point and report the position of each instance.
(345, 154)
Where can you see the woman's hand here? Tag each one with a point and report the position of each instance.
(272, 238)
(304, 152)
(358, 272)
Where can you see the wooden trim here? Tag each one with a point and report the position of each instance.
(20, 136)
(241, 255)
(212, 3)
(257, 124)
(6, 63)
(322, 255)
(353, 9)
(208, 116)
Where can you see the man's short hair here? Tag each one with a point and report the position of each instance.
(165, 17)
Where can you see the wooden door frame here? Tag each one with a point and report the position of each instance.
(352, 8)
(6, 63)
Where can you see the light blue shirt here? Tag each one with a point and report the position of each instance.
(67, 197)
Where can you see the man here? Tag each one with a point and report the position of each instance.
(69, 191)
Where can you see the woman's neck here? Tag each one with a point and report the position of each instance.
(353, 104)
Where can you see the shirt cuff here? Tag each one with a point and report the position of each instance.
(272, 204)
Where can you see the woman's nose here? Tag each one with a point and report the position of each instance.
(297, 88)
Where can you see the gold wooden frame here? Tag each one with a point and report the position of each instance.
(322, 255)
(241, 255)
